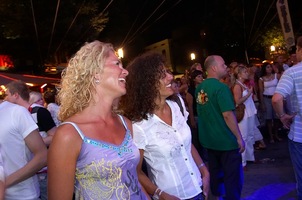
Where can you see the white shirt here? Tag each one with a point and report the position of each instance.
(16, 124)
(54, 108)
(167, 151)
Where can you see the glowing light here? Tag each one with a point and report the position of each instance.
(192, 56)
(43, 85)
(120, 53)
(30, 84)
(273, 48)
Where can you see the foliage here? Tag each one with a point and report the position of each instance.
(272, 36)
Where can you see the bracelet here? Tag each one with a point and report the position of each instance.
(201, 165)
(160, 193)
(157, 189)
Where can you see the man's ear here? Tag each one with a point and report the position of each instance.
(16, 95)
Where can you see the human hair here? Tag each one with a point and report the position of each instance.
(193, 75)
(194, 67)
(20, 88)
(77, 83)
(50, 96)
(279, 68)
(210, 61)
(34, 97)
(143, 82)
(263, 68)
(239, 69)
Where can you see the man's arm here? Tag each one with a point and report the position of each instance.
(36, 145)
(46, 122)
(278, 106)
(50, 133)
(230, 119)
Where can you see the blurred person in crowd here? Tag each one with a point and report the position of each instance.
(290, 85)
(92, 153)
(178, 98)
(278, 69)
(219, 131)
(243, 94)
(227, 79)
(162, 133)
(253, 72)
(51, 105)
(280, 59)
(19, 94)
(23, 151)
(2, 179)
(36, 97)
(195, 66)
(196, 78)
(267, 86)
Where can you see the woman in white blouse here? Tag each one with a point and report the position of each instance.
(175, 169)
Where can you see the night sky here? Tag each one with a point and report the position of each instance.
(223, 27)
(194, 25)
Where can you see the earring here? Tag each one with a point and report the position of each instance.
(97, 81)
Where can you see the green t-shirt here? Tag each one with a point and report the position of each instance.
(213, 98)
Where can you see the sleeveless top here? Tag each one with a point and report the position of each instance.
(270, 86)
(250, 108)
(107, 171)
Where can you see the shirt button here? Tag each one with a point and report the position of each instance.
(174, 130)
(182, 145)
(191, 173)
(186, 158)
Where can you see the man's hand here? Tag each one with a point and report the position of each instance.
(241, 145)
(287, 120)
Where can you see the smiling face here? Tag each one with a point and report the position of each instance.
(165, 86)
(113, 77)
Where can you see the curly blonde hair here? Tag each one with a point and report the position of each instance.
(78, 84)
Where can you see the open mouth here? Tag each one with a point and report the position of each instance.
(169, 85)
(123, 80)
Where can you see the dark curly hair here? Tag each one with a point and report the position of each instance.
(143, 82)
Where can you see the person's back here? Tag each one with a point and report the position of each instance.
(290, 85)
(16, 127)
(52, 106)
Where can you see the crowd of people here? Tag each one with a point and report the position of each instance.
(140, 133)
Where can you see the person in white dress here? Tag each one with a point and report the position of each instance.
(248, 126)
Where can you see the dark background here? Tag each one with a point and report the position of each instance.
(227, 28)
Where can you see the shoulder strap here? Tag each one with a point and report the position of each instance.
(76, 127)
(178, 101)
(123, 121)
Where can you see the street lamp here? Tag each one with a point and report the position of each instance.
(193, 56)
(273, 48)
(120, 53)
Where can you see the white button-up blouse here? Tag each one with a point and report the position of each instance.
(167, 151)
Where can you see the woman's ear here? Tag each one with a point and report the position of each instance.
(97, 77)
